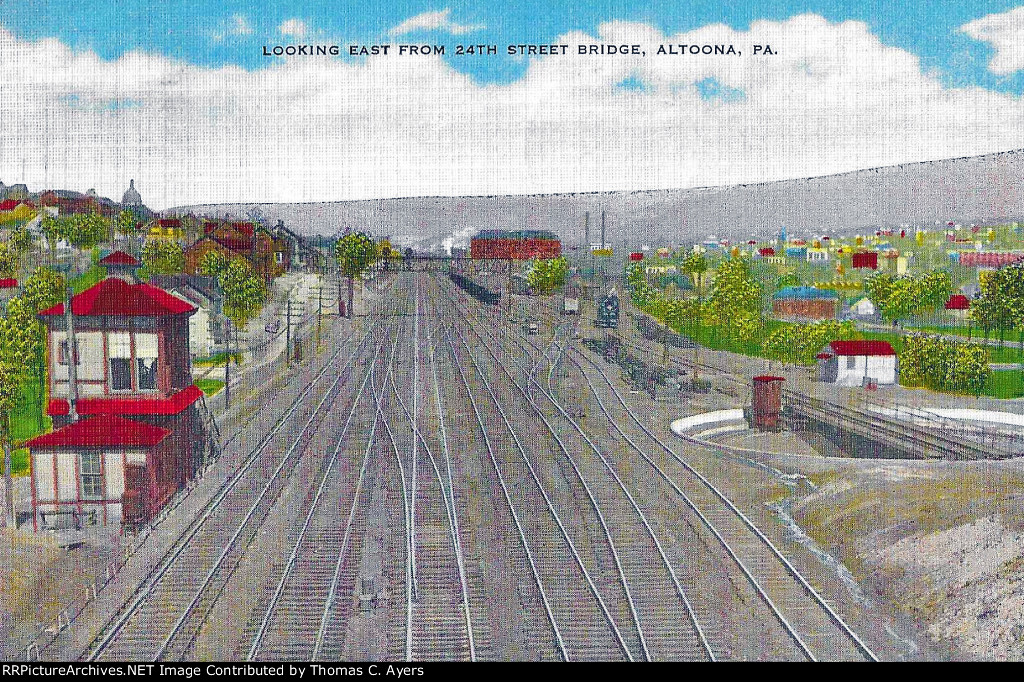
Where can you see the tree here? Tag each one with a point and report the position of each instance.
(213, 263)
(901, 296)
(82, 230)
(19, 346)
(547, 274)
(163, 257)
(943, 365)
(244, 291)
(44, 289)
(355, 252)
(736, 299)
(9, 260)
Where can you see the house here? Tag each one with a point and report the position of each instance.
(864, 309)
(127, 429)
(857, 363)
(817, 256)
(958, 306)
(865, 259)
(269, 255)
(206, 326)
(805, 303)
(8, 289)
(297, 253)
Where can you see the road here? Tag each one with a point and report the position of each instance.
(438, 486)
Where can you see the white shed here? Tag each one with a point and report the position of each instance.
(857, 363)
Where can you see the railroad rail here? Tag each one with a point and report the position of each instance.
(168, 610)
(712, 496)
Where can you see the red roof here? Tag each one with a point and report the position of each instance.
(824, 356)
(111, 431)
(8, 283)
(8, 204)
(958, 302)
(169, 222)
(114, 296)
(766, 252)
(119, 258)
(862, 348)
(767, 378)
(125, 405)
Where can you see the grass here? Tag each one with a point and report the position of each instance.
(217, 359)
(210, 386)
(1005, 384)
(27, 422)
(998, 354)
(88, 278)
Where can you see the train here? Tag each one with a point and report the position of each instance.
(608, 311)
(477, 291)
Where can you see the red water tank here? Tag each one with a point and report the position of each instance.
(767, 402)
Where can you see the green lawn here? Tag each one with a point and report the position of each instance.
(998, 354)
(1005, 384)
(88, 278)
(27, 422)
(209, 386)
(217, 359)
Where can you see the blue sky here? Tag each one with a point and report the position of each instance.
(184, 29)
(178, 96)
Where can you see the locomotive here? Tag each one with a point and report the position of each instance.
(608, 311)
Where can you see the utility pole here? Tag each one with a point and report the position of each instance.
(227, 364)
(288, 332)
(72, 355)
(319, 309)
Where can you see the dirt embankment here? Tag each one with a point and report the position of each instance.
(941, 544)
(37, 580)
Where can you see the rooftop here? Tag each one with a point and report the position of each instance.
(114, 296)
(806, 293)
(128, 405)
(861, 348)
(109, 431)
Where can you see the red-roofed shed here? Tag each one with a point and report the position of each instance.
(958, 302)
(857, 363)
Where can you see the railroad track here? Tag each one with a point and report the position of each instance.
(441, 619)
(776, 581)
(164, 617)
(302, 606)
(580, 593)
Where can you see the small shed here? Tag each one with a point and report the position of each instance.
(958, 306)
(857, 363)
(864, 309)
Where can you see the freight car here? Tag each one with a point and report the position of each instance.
(608, 311)
(481, 293)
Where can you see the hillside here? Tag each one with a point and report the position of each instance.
(974, 189)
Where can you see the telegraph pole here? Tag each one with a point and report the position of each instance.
(288, 331)
(72, 355)
(319, 309)
(227, 364)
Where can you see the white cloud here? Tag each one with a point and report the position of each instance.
(293, 27)
(434, 21)
(1005, 33)
(237, 25)
(834, 99)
